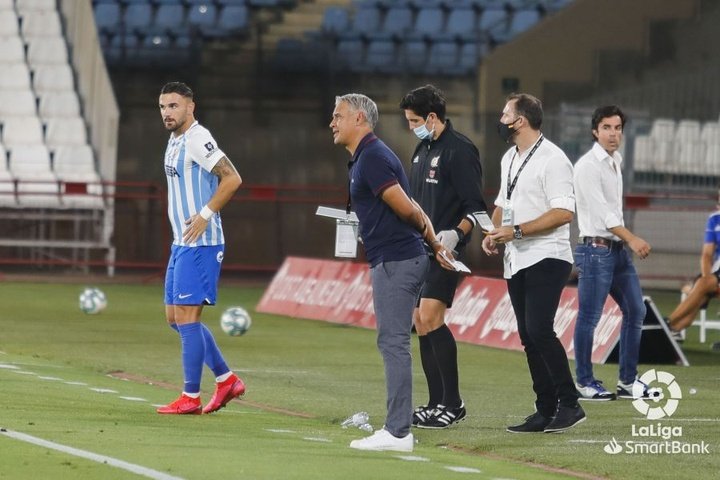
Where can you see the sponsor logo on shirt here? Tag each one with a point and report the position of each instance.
(210, 148)
(431, 174)
(171, 171)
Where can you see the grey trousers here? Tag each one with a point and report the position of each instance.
(396, 286)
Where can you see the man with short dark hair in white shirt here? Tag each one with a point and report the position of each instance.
(603, 263)
(535, 206)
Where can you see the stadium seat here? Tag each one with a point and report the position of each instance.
(171, 18)
(107, 17)
(21, 131)
(349, 53)
(11, 50)
(398, 21)
(415, 56)
(461, 25)
(335, 21)
(15, 103)
(430, 22)
(366, 20)
(122, 48)
(202, 16)
(232, 20)
(76, 165)
(28, 5)
(381, 57)
(37, 185)
(470, 54)
(712, 159)
(59, 104)
(290, 55)
(643, 160)
(15, 76)
(50, 78)
(65, 131)
(7, 182)
(47, 50)
(443, 57)
(492, 19)
(138, 17)
(8, 23)
(523, 20)
(710, 133)
(689, 149)
(41, 23)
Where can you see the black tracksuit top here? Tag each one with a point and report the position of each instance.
(446, 179)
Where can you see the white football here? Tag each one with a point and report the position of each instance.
(235, 321)
(92, 300)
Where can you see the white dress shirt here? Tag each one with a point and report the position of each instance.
(599, 192)
(545, 183)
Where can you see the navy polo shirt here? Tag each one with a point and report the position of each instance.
(386, 238)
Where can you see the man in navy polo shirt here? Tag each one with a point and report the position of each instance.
(392, 228)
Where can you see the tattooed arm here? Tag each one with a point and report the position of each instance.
(229, 182)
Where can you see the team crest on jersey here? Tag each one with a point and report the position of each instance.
(171, 171)
(431, 174)
(219, 257)
(434, 161)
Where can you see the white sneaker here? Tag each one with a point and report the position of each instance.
(384, 440)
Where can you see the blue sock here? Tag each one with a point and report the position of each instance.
(193, 353)
(213, 357)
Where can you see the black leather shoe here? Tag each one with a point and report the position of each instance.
(533, 424)
(565, 418)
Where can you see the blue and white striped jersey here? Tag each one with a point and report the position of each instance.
(189, 159)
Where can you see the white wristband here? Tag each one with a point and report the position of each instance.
(206, 213)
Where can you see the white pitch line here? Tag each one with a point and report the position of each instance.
(114, 462)
(54, 379)
(23, 372)
(133, 399)
(413, 458)
(581, 440)
(279, 430)
(463, 470)
(9, 367)
(318, 439)
(103, 390)
(76, 383)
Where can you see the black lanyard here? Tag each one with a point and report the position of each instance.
(511, 187)
(347, 204)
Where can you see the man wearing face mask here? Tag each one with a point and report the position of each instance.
(535, 206)
(446, 180)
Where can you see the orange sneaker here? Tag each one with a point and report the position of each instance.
(184, 405)
(224, 392)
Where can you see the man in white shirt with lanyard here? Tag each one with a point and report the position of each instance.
(603, 263)
(535, 206)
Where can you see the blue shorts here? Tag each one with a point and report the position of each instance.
(192, 275)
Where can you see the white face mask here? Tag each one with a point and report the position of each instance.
(422, 131)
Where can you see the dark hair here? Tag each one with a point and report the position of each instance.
(424, 101)
(529, 107)
(177, 87)
(606, 112)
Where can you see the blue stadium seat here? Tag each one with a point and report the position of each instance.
(415, 56)
(398, 21)
(429, 23)
(232, 20)
(470, 54)
(234, 3)
(138, 16)
(461, 25)
(171, 18)
(107, 17)
(443, 57)
(272, 3)
(336, 20)
(122, 48)
(202, 16)
(523, 20)
(349, 53)
(422, 4)
(366, 20)
(494, 24)
(381, 57)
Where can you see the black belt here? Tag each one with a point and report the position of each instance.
(606, 242)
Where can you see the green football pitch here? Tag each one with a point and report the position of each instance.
(77, 396)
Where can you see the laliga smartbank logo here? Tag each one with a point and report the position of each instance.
(662, 400)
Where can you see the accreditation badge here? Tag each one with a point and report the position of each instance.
(346, 238)
(507, 215)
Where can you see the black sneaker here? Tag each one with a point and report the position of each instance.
(444, 417)
(534, 423)
(422, 414)
(632, 391)
(566, 418)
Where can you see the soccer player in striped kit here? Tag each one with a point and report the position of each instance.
(201, 180)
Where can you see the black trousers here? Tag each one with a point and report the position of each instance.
(535, 295)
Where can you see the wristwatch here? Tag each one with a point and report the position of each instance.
(517, 232)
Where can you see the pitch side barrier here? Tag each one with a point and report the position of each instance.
(341, 292)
